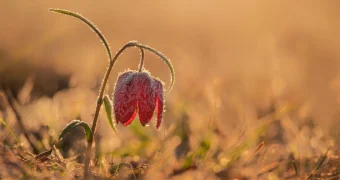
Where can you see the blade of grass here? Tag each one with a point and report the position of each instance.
(10, 130)
(320, 163)
(11, 102)
(257, 150)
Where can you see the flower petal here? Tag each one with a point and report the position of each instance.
(146, 98)
(158, 88)
(129, 121)
(125, 98)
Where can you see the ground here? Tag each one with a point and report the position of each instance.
(256, 94)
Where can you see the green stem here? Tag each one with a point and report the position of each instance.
(99, 104)
(107, 74)
(165, 59)
(102, 89)
(141, 64)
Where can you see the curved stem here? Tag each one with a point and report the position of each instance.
(165, 59)
(99, 104)
(107, 74)
(141, 64)
(102, 89)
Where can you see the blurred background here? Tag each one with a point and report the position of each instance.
(246, 73)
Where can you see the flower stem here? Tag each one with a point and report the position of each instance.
(102, 89)
(165, 59)
(99, 104)
(141, 64)
(107, 74)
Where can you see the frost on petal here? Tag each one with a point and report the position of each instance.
(125, 98)
(158, 89)
(132, 117)
(146, 98)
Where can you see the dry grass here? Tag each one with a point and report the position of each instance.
(256, 96)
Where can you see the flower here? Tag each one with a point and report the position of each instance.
(138, 92)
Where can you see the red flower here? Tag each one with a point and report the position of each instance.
(138, 92)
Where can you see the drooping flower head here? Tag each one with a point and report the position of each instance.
(135, 91)
(138, 93)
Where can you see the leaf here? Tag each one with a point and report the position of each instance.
(75, 123)
(89, 23)
(108, 109)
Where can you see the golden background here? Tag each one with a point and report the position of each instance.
(236, 63)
